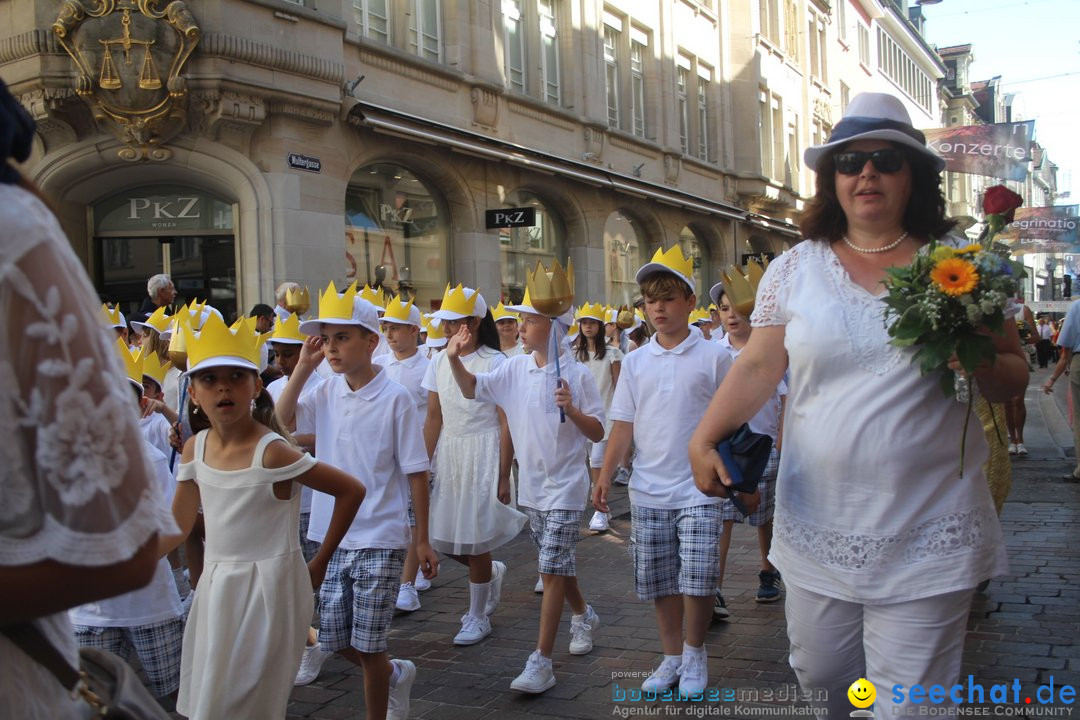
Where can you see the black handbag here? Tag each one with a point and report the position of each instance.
(745, 454)
(104, 681)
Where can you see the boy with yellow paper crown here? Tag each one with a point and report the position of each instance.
(674, 528)
(367, 425)
(554, 482)
(406, 366)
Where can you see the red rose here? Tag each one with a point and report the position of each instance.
(1000, 200)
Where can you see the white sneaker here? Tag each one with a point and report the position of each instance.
(397, 705)
(311, 664)
(1012, 448)
(498, 572)
(473, 630)
(599, 522)
(421, 583)
(538, 588)
(407, 599)
(663, 677)
(693, 675)
(1020, 449)
(537, 675)
(581, 632)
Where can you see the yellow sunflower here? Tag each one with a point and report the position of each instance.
(969, 249)
(955, 276)
(942, 252)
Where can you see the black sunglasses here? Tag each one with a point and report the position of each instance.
(887, 160)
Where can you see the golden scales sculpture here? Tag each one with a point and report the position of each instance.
(148, 75)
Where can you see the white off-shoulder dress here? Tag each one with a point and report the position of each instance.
(249, 619)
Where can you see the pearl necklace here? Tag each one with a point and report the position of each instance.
(895, 243)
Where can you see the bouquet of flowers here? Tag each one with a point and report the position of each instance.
(947, 299)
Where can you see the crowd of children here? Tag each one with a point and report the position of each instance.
(392, 437)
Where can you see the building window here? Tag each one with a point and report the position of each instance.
(899, 67)
(864, 45)
(793, 167)
(520, 248)
(792, 46)
(611, 74)
(845, 97)
(841, 20)
(697, 250)
(373, 18)
(682, 81)
(637, 81)
(704, 78)
(769, 18)
(549, 51)
(625, 253)
(765, 132)
(396, 230)
(424, 27)
(818, 54)
(514, 44)
(771, 124)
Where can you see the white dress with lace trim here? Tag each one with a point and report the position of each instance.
(870, 505)
(73, 479)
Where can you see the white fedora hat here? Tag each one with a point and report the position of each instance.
(874, 116)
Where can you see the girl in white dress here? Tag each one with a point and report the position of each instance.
(604, 361)
(247, 627)
(472, 510)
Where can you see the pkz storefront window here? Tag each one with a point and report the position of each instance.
(396, 233)
(521, 247)
(623, 248)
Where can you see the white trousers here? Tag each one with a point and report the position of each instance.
(836, 642)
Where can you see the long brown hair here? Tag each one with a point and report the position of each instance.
(599, 343)
(924, 216)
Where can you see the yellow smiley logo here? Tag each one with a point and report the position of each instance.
(862, 693)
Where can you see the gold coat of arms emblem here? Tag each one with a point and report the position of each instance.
(128, 55)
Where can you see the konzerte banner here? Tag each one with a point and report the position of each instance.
(1000, 150)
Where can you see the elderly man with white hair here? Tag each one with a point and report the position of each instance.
(160, 292)
(279, 298)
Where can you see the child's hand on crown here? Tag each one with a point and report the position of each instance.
(563, 398)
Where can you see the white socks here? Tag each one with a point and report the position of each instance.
(689, 652)
(478, 597)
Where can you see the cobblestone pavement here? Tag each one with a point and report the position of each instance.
(1024, 627)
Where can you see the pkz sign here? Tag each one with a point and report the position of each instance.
(510, 217)
(758, 257)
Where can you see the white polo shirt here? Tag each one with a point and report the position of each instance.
(409, 373)
(305, 423)
(550, 454)
(767, 420)
(665, 393)
(374, 434)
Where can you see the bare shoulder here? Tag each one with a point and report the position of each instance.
(188, 454)
(279, 453)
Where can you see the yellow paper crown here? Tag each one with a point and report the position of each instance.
(158, 320)
(217, 341)
(297, 300)
(552, 289)
(288, 330)
(152, 367)
(133, 365)
(399, 309)
(112, 315)
(674, 260)
(435, 331)
(699, 315)
(333, 306)
(454, 301)
(499, 312)
(374, 296)
(596, 311)
(742, 289)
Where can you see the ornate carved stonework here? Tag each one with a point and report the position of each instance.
(228, 116)
(128, 55)
(672, 165)
(485, 105)
(594, 144)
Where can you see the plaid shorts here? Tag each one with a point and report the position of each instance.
(157, 647)
(767, 487)
(674, 551)
(308, 547)
(356, 600)
(556, 534)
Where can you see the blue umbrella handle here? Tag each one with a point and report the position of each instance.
(558, 378)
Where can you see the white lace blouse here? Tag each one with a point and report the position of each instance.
(870, 505)
(73, 479)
